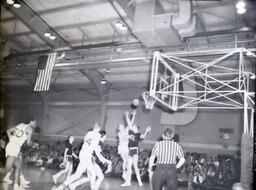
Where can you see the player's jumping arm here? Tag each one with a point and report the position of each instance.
(148, 129)
(129, 120)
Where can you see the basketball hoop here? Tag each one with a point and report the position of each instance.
(149, 100)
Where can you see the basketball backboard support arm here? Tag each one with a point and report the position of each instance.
(216, 85)
(213, 89)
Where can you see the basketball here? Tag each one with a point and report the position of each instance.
(135, 102)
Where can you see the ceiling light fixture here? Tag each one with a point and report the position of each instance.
(252, 77)
(241, 11)
(240, 7)
(103, 81)
(121, 26)
(47, 34)
(17, 4)
(107, 70)
(10, 2)
(118, 24)
(52, 37)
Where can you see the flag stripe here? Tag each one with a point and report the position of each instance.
(48, 72)
(44, 73)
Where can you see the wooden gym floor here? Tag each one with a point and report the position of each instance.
(42, 180)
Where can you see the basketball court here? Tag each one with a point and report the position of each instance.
(43, 180)
(185, 66)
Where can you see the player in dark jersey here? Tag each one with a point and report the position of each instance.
(67, 161)
(134, 139)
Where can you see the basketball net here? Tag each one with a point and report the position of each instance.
(149, 100)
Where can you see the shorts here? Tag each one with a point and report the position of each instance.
(69, 158)
(123, 149)
(133, 151)
(12, 150)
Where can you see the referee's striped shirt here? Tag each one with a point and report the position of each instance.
(167, 151)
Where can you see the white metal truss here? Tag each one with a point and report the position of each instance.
(217, 86)
(207, 85)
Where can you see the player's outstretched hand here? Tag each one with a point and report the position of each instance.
(148, 129)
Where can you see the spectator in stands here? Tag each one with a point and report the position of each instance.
(3, 142)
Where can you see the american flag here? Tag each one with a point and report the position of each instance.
(44, 72)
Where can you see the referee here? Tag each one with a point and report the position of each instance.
(166, 152)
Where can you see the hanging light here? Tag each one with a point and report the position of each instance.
(240, 7)
(118, 24)
(10, 2)
(252, 77)
(121, 26)
(47, 34)
(241, 11)
(52, 37)
(17, 4)
(103, 81)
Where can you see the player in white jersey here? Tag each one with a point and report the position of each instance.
(123, 136)
(95, 176)
(91, 141)
(17, 136)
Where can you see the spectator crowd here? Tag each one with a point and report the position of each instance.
(201, 171)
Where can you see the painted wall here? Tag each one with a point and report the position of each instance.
(76, 119)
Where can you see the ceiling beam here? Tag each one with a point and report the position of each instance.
(217, 3)
(126, 20)
(32, 75)
(37, 25)
(27, 17)
(67, 26)
(62, 8)
(78, 47)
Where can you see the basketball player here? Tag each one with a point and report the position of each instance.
(67, 161)
(123, 136)
(17, 136)
(134, 138)
(3, 143)
(96, 176)
(91, 142)
(23, 181)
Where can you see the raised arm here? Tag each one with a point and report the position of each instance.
(143, 136)
(129, 120)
